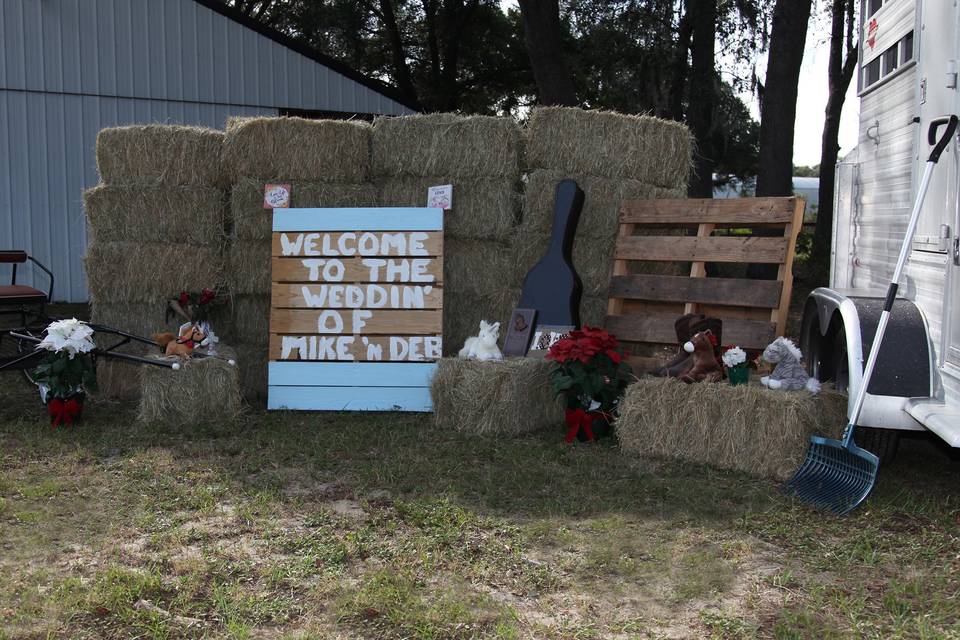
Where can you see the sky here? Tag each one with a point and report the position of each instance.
(812, 96)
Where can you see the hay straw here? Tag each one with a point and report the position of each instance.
(157, 154)
(170, 214)
(252, 222)
(746, 428)
(248, 267)
(604, 143)
(117, 379)
(483, 209)
(494, 398)
(138, 318)
(203, 390)
(282, 149)
(446, 144)
(133, 272)
(252, 364)
(477, 267)
(250, 321)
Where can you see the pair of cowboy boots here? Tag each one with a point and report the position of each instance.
(687, 326)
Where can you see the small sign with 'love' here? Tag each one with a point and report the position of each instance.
(276, 196)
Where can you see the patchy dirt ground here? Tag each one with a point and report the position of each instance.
(377, 526)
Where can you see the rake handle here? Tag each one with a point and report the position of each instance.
(940, 145)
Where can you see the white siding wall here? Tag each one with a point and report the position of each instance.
(69, 68)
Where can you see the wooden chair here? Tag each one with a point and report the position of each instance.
(643, 307)
(18, 299)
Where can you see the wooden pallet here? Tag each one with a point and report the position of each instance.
(643, 307)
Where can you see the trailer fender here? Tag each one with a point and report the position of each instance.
(835, 322)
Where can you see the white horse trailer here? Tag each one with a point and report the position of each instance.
(907, 78)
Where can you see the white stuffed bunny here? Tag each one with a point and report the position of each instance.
(484, 345)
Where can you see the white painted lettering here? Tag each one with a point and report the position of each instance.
(417, 239)
(345, 249)
(290, 247)
(289, 344)
(418, 271)
(309, 244)
(324, 322)
(359, 317)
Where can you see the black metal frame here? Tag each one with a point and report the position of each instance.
(34, 310)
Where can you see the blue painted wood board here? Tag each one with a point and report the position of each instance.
(350, 398)
(360, 219)
(351, 374)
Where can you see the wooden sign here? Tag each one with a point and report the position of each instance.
(356, 308)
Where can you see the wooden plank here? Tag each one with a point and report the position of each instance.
(632, 307)
(367, 219)
(708, 211)
(350, 398)
(699, 269)
(620, 268)
(343, 348)
(739, 291)
(750, 334)
(352, 374)
(361, 243)
(386, 270)
(356, 296)
(356, 321)
(785, 273)
(723, 249)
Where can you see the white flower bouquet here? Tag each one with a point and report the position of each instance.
(68, 370)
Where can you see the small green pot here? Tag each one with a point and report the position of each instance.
(738, 375)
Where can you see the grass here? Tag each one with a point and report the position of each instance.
(292, 525)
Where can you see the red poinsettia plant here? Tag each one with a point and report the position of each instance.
(589, 369)
(192, 306)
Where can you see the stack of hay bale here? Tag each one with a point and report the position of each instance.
(156, 226)
(612, 157)
(480, 157)
(327, 164)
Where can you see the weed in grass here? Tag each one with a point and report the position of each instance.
(41, 490)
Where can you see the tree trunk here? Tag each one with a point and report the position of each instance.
(678, 76)
(840, 73)
(778, 109)
(541, 27)
(700, 114)
(399, 55)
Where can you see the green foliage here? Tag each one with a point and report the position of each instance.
(588, 367)
(63, 374)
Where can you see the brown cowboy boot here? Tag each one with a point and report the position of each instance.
(682, 360)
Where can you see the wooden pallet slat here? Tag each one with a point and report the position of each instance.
(708, 249)
(708, 211)
(699, 290)
(658, 329)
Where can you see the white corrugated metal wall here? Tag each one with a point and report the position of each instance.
(69, 68)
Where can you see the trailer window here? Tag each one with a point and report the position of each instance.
(888, 62)
(906, 48)
(874, 6)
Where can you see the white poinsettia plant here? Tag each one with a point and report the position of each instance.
(69, 367)
(734, 357)
(68, 336)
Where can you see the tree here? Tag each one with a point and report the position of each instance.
(701, 115)
(542, 31)
(841, 67)
(778, 104)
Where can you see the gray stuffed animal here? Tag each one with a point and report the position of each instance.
(788, 373)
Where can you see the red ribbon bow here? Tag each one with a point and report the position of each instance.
(64, 411)
(578, 419)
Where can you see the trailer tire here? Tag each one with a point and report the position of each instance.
(883, 443)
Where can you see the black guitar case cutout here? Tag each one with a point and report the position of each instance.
(552, 286)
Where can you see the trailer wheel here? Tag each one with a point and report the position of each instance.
(841, 369)
(883, 443)
(817, 349)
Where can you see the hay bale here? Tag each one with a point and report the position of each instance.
(495, 398)
(156, 154)
(181, 214)
(483, 209)
(446, 144)
(252, 368)
(202, 390)
(745, 428)
(252, 222)
(248, 267)
(134, 272)
(605, 143)
(282, 149)
(477, 267)
(250, 322)
(117, 379)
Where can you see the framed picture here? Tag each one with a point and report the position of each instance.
(519, 332)
(546, 335)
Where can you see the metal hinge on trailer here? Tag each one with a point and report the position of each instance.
(956, 251)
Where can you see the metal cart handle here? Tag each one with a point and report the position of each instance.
(941, 144)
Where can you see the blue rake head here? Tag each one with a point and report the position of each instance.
(836, 476)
